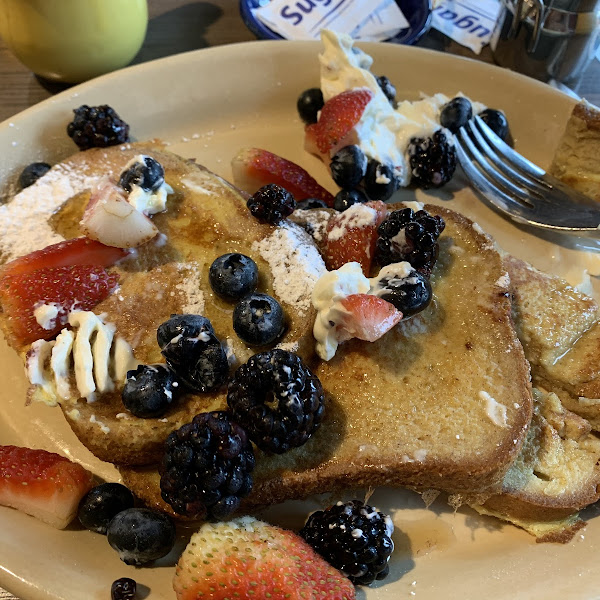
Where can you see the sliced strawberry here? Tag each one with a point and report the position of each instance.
(79, 251)
(351, 235)
(43, 484)
(252, 168)
(109, 218)
(338, 117)
(77, 287)
(368, 317)
(246, 558)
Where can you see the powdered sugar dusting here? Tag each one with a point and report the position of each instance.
(190, 286)
(295, 262)
(24, 225)
(288, 346)
(313, 220)
(357, 216)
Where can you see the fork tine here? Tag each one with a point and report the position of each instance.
(499, 198)
(534, 185)
(505, 151)
(569, 217)
(494, 176)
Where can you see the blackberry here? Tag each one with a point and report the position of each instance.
(408, 290)
(310, 102)
(145, 172)
(278, 399)
(311, 203)
(432, 160)
(496, 121)
(233, 275)
(141, 535)
(346, 198)
(258, 319)
(193, 352)
(97, 127)
(101, 504)
(456, 114)
(408, 236)
(348, 167)
(354, 538)
(149, 390)
(207, 467)
(387, 88)
(380, 181)
(31, 173)
(271, 204)
(123, 589)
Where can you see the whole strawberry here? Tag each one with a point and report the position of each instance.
(249, 559)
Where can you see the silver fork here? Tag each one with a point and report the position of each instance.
(517, 187)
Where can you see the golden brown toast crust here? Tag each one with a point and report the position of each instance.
(576, 158)
(560, 332)
(205, 217)
(556, 474)
(414, 417)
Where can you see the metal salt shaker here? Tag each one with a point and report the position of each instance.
(547, 39)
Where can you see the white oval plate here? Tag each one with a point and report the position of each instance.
(207, 105)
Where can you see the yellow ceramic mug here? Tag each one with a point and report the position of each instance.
(73, 40)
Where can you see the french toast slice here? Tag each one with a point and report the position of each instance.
(560, 332)
(556, 474)
(205, 218)
(576, 157)
(441, 401)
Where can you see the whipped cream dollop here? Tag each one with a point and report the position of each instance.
(148, 202)
(89, 350)
(329, 290)
(46, 314)
(383, 132)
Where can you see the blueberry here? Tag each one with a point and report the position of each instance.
(311, 203)
(233, 275)
(348, 167)
(31, 173)
(387, 88)
(310, 102)
(258, 319)
(182, 333)
(193, 352)
(206, 370)
(123, 589)
(101, 504)
(149, 390)
(380, 181)
(496, 121)
(456, 114)
(404, 287)
(141, 535)
(147, 173)
(346, 198)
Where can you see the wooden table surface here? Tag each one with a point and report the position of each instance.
(181, 25)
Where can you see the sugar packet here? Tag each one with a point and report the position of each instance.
(372, 20)
(468, 22)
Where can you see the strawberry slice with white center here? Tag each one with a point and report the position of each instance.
(367, 317)
(78, 251)
(253, 168)
(79, 287)
(110, 219)
(42, 484)
(246, 558)
(338, 118)
(351, 236)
